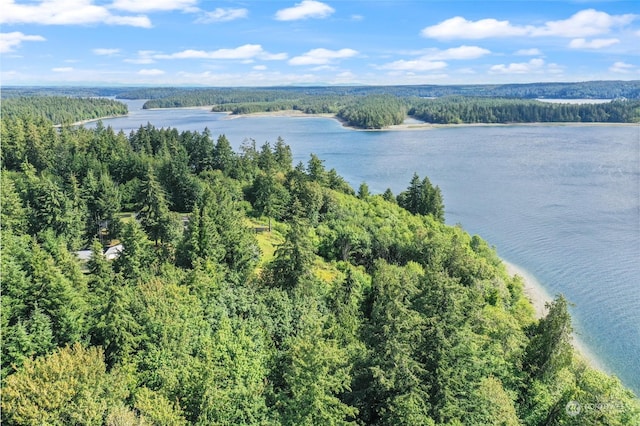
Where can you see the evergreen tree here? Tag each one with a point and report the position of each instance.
(421, 197)
(391, 382)
(200, 150)
(13, 215)
(388, 196)
(293, 258)
(315, 375)
(223, 156)
(550, 347)
(70, 386)
(270, 198)
(266, 158)
(363, 191)
(283, 155)
(102, 198)
(116, 329)
(137, 255)
(153, 210)
(201, 239)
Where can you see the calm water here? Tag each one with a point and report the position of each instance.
(562, 202)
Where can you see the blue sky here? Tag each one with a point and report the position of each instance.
(266, 43)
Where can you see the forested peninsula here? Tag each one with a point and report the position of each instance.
(235, 287)
(61, 109)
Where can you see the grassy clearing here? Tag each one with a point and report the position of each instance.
(325, 271)
(267, 241)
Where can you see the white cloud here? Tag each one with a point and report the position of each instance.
(155, 5)
(260, 67)
(597, 43)
(266, 56)
(554, 68)
(150, 72)
(62, 69)
(322, 56)
(144, 57)
(65, 12)
(468, 71)
(132, 21)
(305, 10)
(222, 15)
(459, 27)
(585, 23)
(344, 78)
(325, 68)
(357, 18)
(414, 65)
(518, 68)
(433, 59)
(10, 41)
(621, 67)
(254, 78)
(247, 51)
(462, 52)
(529, 52)
(105, 52)
(140, 61)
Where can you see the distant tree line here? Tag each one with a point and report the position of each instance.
(185, 96)
(455, 110)
(60, 109)
(203, 97)
(369, 109)
(174, 97)
(65, 91)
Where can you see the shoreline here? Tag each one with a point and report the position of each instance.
(290, 113)
(90, 120)
(201, 107)
(539, 297)
(410, 126)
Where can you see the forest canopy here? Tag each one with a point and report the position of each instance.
(60, 109)
(252, 291)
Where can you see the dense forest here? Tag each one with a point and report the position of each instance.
(186, 96)
(64, 91)
(381, 111)
(367, 107)
(59, 109)
(252, 291)
(377, 111)
(172, 97)
(456, 110)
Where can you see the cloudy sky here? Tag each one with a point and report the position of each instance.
(265, 43)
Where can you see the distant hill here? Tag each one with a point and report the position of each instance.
(576, 90)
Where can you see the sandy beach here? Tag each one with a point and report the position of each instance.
(539, 297)
(91, 120)
(410, 126)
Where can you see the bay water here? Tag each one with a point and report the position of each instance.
(560, 201)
